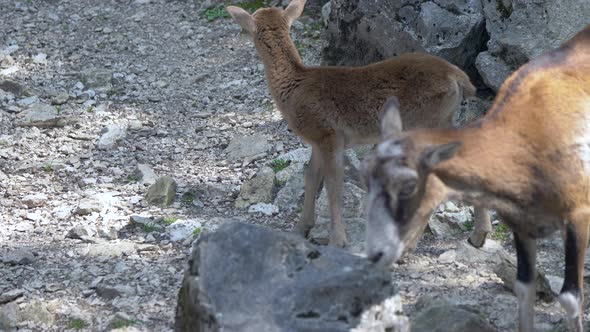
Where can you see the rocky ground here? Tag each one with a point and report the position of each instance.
(98, 100)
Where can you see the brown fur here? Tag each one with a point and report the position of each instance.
(528, 158)
(332, 108)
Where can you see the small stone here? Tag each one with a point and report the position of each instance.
(20, 256)
(60, 99)
(491, 251)
(11, 295)
(146, 222)
(242, 147)
(34, 200)
(439, 315)
(112, 249)
(162, 192)
(257, 190)
(264, 208)
(40, 58)
(25, 102)
(448, 256)
(145, 174)
(39, 112)
(183, 229)
(78, 232)
(86, 207)
(37, 312)
(114, 133)
(33, 216)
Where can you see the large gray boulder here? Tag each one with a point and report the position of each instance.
(521, 30)
(364, 31)
(250, 278)
(488, 39)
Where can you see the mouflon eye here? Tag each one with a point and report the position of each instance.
(408, 188)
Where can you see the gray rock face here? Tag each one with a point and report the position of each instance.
(362, 31)
(522, 30)
(442, 316)
(258, 189)
(162, 192)
(487, 39)
(250, 278)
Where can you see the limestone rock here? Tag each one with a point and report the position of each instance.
(264, 208)
(112, 135)
(180, 230)
(162, 192)
(441, 316)
(250, 278)
(18, 256)
(39, 112)
(257, 190)
(521, 30)
(491, 252)
(97, 79)
(34, 200)
(242, 147)
(145, 174)
(362, 31)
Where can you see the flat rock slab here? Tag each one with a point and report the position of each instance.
(250, 278)
(242, 147)
(39, 112)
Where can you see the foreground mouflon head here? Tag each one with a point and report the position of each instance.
(402, 191)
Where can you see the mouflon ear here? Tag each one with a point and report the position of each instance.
(439, 153)
(243, 18)
(293, 10)
(391, 121)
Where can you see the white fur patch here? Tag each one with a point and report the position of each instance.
(570, 303)
(526, 302)
(582, 140)
(523, 291)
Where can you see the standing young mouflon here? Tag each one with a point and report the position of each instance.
(333, 108)
(528, 158)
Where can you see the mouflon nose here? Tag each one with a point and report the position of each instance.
(376, 257)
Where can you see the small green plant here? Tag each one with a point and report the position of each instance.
(278, 165)
(279, 183)
(77, 324)
(300, 48)
(314, 29)
(119, 323)
(215, 12)
(47, 167)
(133, 178)
(219, 11)
(150, 227)
(197, 231)
(501, 232)
(469, 225)
(58, 110)
(170, 220)
(188, 197)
